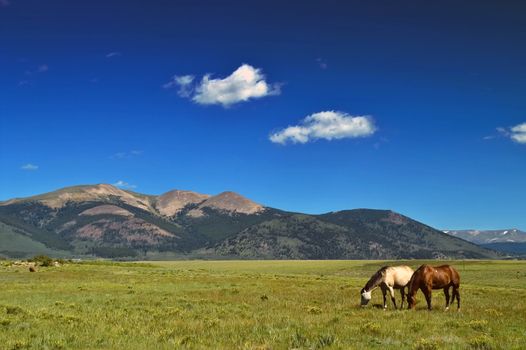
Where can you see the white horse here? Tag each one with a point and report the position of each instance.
(388, 278)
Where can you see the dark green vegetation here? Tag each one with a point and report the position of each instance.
(108, 222)
(508, 247)
(350, 234)
(251, 305)
(17, 243)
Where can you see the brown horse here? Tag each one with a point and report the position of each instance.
(428, 277)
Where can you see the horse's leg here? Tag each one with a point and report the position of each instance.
(457, 293)
(384, 294)
(446, 293)
(403, 297)
(391, 291)
(427, 293)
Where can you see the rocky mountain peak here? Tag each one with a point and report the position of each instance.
(100, 192)
(170, 203)
(232, 202)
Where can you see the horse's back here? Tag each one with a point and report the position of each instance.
(452, 271)
(448, 273)
(400, 275)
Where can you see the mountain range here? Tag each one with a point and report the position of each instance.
(106, 221)
(509, 240)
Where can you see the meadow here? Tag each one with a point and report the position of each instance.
(251, 305)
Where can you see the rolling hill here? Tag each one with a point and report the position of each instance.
(102, 220)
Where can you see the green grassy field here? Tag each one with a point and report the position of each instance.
(251, 305)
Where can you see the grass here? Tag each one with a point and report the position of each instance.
(250, 305)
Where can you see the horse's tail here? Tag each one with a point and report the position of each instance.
(455, 279)
(455, 276)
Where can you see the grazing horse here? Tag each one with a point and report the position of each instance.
(387, 278)
(427, 278)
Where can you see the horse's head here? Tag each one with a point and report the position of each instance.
(410, 301)
(366, 296)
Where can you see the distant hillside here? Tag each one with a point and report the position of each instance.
(102, 220)
(510, 248)
(490, 236)
(510, 241)
(350, 234)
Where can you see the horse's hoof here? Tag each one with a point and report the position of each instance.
(447, 309)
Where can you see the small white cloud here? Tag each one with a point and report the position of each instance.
(113, 54)
(126, 155)
(328, 125)
(321, 62)
(29, 167)
(184, 82)
(43, 68)
(22, 83)
(124, 184)
(243, 84)
(517, 133)
(4, 3)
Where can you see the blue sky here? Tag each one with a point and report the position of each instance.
(412, 106)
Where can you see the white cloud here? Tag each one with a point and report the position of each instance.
(113, 54)
(328, 125)
(124, 184)
(517, 133)
(126, 155)
(22, 83)
(184, 82)
(43, 68)
(243, 84)
(29, 167)
(321, 62)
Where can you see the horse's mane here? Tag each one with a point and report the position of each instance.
(376, 279)
(415, 274)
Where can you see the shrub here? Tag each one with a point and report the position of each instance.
(19, 344)
(425, 344)
(325, 340)
(13, 310)
(494, 313)
(43, 260)
(371, 327)
(478, 325)
(298, 340)
(481, 342)
(314, 310)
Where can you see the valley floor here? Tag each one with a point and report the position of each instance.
(251, 305)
